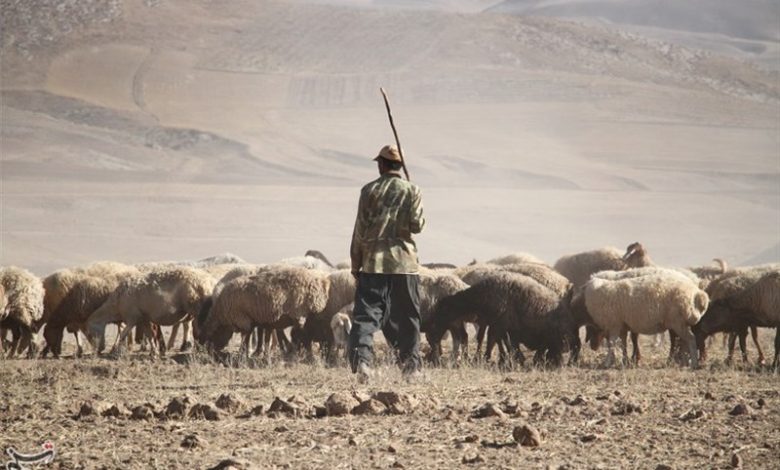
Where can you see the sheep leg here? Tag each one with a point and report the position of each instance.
(117, 349)
(465, 341)
(491, 343)
(689, 340)
(459, 339)
(246, 345)
(743, 345)
(754, 335)
(610, 360)
(285, 346)
(732, 339)
(174, 333)
(481, 329)
(776, 362)
(79, 350)
(624, 341)
(636, 356)
(186, 343)
(256, 340)
(157, 332)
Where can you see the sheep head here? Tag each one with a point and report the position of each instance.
(636, 256)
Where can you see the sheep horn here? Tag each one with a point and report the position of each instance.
(722, 263)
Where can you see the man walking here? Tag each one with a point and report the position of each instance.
(385, 264)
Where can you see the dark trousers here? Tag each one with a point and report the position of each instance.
(390, 302)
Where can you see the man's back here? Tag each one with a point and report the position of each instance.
(389, 212)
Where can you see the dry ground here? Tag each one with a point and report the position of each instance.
(41, 399)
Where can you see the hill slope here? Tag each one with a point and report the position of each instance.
(579, 134)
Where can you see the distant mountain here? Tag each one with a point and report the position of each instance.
(749, 30)
(748, 19)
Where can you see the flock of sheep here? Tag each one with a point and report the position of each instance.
(516, 300)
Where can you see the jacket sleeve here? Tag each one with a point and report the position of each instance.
(417, 220)
(355, 249)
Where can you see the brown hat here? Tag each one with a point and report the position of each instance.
(389, 153)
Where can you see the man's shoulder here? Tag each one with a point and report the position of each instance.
(390, 184)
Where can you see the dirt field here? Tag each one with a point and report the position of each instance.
(588, 417)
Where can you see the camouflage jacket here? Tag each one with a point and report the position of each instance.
(389, 212)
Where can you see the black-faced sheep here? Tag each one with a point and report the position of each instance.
(516, 304)
(265, 298)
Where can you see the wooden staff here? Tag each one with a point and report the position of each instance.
(395, 133)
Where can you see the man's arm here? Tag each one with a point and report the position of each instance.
(417, 220)
(356, 249)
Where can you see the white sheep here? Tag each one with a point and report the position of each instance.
(516, 258)
(647, 304)
(164, 296)
(318, 326)
(266, 298)
(578, 267)
(308, 262)
(340, 325)
(24, 307)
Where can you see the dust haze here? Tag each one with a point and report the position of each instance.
(173, 129)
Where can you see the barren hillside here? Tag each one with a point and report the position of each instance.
(138, 130)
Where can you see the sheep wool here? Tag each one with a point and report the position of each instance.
(647, 304)
(516, 258)
(24, 295)
(577, 268)
(263, 299)
(162, 295)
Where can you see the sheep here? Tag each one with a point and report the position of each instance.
(594, 337)
(24, 307)
(541, 273)
(709, 273)
(516, 258)
(340, 326)
(318, 326)
(577, 268)
(163, 296)
(308, 262)
(729, 284)
(533, 314)
(85, 296)
(435, 285)
(646, 304)
(58, 284)
(735, 309)
(266, 298)
(57, 287)
(220, 272)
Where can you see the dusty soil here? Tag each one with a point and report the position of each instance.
(587, 417)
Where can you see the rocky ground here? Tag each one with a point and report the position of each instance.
(187, 412)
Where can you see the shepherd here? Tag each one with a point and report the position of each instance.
(386, 266)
